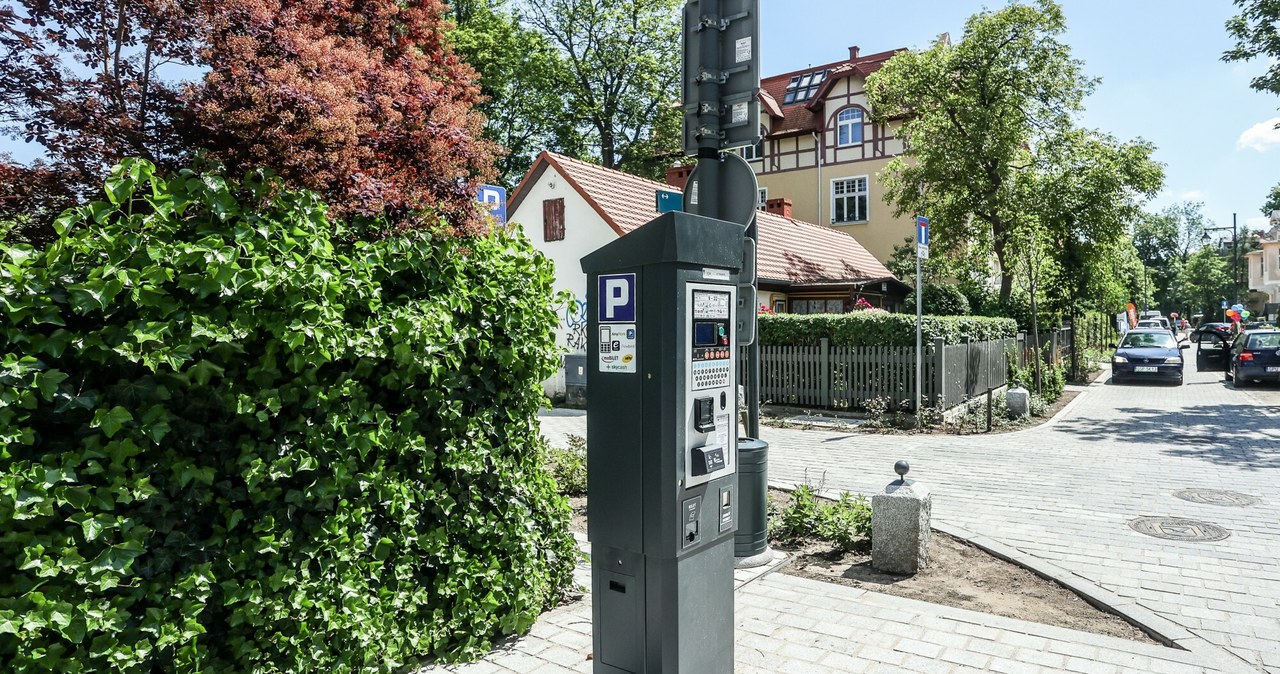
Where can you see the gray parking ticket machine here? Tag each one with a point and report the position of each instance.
(662, 365)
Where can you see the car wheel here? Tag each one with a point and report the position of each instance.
(1235, 377)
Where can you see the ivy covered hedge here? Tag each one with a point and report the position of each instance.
(228, 444)
(878, 328)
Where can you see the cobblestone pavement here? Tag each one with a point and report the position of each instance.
(1065, 493)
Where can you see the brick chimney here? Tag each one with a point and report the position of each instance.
(780, 206)
(853, 53)
(677, 176)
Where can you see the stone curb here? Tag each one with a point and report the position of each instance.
(1152, 624)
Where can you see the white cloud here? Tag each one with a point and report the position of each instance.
(1191, 195)
(1261, 136)
(1260, 222)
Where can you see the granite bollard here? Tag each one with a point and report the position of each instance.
(900, 525)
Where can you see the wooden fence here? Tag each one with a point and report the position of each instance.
(843, 377)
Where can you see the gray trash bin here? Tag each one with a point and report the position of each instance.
(752, 537)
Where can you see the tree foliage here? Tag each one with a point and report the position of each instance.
(623, 60)
(90, 82)
(974, 113)
(1256, 30)
(523, 78)
(1273, 201)
(228, 444)
(1206, 280)
(359, 100)
(1087, 189)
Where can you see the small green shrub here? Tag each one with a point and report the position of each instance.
(846, 523)
(568, 466)
(878, 328)
(941, 299)
(801, 516)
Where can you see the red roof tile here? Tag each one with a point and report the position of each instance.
(789, 250)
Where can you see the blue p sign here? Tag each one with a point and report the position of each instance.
(495, 199)
(617, 298)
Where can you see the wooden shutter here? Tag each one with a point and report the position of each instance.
(553, 220)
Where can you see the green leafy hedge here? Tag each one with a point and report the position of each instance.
(878, 328)
(228, 444)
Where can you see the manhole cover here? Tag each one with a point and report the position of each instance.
(1217, 497)
(1178, 529)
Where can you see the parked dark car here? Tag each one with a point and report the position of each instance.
(1147, 354)
(1255, 357)
(1213, 352)
(1220, 329)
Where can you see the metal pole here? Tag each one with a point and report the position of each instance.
(1235, 260)
(919, 349)
(753, 360)
(708, 201)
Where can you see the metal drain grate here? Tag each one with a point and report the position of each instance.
(1178, 529)
(1217, 497)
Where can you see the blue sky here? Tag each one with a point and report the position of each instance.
(1162, 80)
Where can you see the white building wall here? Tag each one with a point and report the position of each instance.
(584, 232)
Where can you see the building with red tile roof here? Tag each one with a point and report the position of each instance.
(821, 150)
(569, 208)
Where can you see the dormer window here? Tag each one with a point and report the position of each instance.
(802, 87)
(849, 127)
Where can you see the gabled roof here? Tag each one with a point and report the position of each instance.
(789, 251)
(806, 116)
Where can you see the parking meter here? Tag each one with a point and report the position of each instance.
(662, 370)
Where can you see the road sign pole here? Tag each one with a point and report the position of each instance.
(922, 252)
(708, 97)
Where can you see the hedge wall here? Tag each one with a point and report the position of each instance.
(228, 444)
(878, 328)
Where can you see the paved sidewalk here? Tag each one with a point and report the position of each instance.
(1064, 494)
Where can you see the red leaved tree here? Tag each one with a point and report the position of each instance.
(359, 100)
(89, 82)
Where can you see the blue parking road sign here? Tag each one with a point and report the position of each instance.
(617, 298)
(495, 198)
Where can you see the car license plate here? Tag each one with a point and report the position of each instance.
(1273, 369)
(1145, 368)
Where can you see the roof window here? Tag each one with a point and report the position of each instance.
(802, 87)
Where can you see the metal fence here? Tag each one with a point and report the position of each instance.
(844, 377)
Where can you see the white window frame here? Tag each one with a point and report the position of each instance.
(865, 193)
(847, 125)
(762, 198)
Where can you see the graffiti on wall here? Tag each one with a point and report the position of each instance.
(575, 325)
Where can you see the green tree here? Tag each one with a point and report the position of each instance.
(1165, 241)
(973, 112)
(1088, 188)
(522, 77)
(1273, 201)
(624, 60)
(1256, 30)
(1206, 281)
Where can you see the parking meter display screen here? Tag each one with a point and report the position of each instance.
(704, 333)
(708, 304)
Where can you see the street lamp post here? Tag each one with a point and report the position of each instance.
(1235, 255)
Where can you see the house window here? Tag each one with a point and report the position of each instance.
(762, 199)
(849, 199)
(779, 306)
(553, 220)
(849, 127)
(802, 87)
